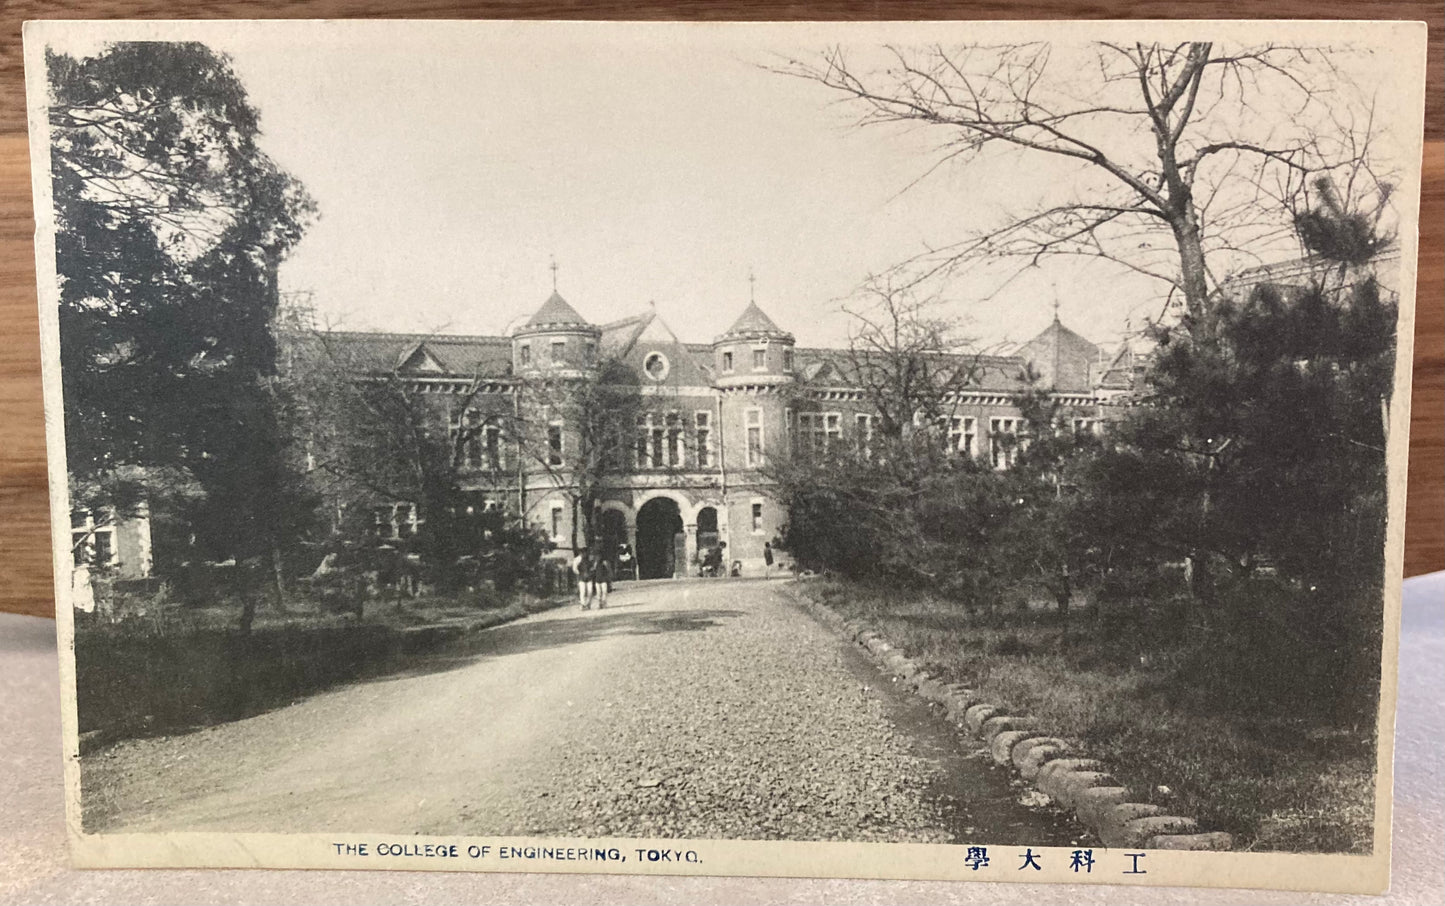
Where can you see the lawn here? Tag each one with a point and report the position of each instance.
(1288, 780)
(165, 667)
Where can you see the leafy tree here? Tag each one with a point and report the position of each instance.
(171, 223)
(1265, 429)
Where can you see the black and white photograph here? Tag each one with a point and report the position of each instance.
(903, 450)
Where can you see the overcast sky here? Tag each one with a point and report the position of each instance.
(448, 178)
(451, 165)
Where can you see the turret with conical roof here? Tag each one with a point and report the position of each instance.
(555, 339)
(754, 350)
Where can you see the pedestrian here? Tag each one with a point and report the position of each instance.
(626, 566)
(580, 569)
(767, 559)
(602, 581)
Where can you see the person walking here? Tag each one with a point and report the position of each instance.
(767, 559)
(581, 568)
(601, 580)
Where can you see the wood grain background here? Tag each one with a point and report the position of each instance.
(25, 576)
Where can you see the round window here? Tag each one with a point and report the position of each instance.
(655, 365)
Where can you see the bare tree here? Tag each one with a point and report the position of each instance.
(909, 360)
(578, 429)
(380, 436)
(1177, 152)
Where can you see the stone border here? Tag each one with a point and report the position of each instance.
(1054, 766)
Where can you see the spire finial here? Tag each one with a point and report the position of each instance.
(1054, 285)
(553, 268)
(752, 286)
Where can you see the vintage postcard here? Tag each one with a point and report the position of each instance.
(942, 450)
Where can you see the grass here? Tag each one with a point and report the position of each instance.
(1282, 779)
(163, 667)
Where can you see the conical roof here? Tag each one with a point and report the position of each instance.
(754, 322)
(1061, 357)
(556, 311)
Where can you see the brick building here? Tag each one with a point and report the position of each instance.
(711, 415)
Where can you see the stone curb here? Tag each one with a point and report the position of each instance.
(1052, 765)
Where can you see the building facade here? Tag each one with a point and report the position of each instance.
(708, 419)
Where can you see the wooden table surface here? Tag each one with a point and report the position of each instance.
(25, 575)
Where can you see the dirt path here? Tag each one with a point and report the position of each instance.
(690, 709)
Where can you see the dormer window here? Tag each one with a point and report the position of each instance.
(727, 364)
(760, 358)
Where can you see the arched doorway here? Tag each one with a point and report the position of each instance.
(707, 534)
(659, 525)
(611, 534)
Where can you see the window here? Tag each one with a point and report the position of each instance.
(559, 350)
(104, 540)
(674, 439)
(643, 432)
(590, 349)
(92, 541)
(757, 517)
(702, 422)
(465, 429)
(864, 424)
(1003, 441)
(760, 358)
(554, 444)
(818, 431)
(788, 359)
(754, 424)
(398, 520)
(963, 435)
(655, 444)
(655, 366)
(790, 431)
(556, 522)
(524, 354)
(493, 446)
(405, 520)
(727, 364)
(1086, 426)
(808, 435)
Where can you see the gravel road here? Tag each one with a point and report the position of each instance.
(711, 709)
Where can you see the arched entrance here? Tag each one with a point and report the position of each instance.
(611, 534)
(659, 533)
(707, 534)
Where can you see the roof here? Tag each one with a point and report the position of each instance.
(754, 322)
(443, 354)
(1294, 273)
(632, 340)
(838, 368)
(556, 311)
(1061, 357)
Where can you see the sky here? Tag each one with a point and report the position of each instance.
(448, 182)
(452, 168)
